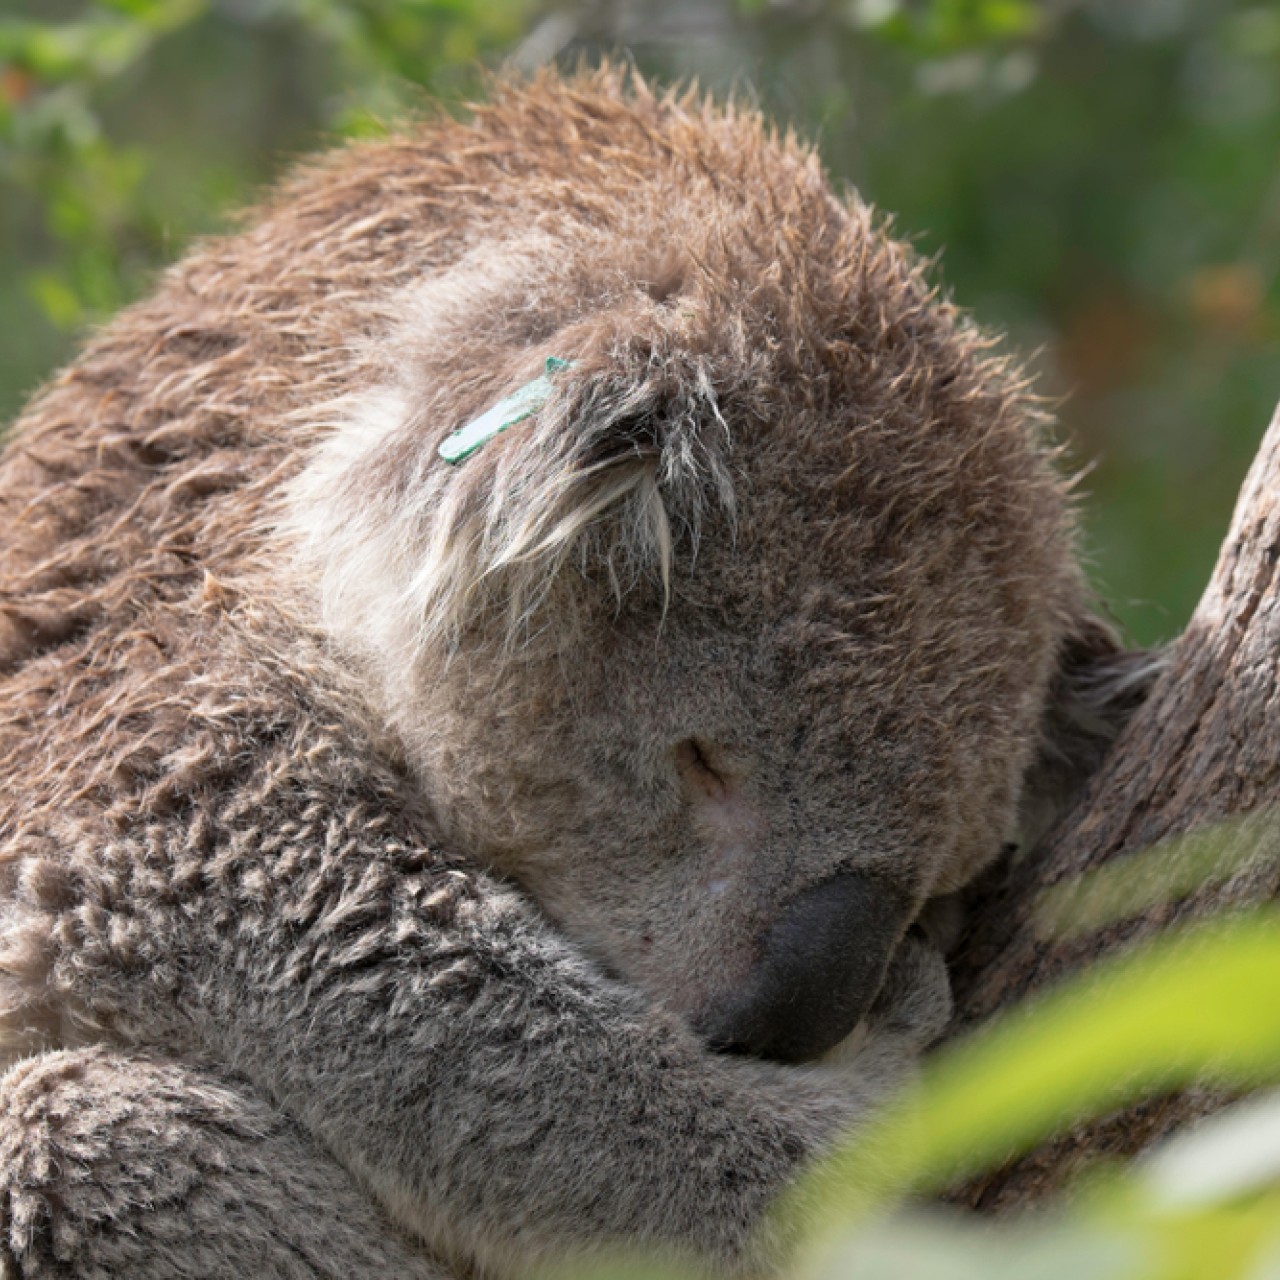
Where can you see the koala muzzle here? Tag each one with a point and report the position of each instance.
(821, 963)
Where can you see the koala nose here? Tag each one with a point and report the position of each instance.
(821, 964)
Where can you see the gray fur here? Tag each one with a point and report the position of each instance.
(377, 835)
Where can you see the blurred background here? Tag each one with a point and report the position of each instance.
(1098, 178)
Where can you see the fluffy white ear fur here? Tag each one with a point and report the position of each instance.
(409, 551)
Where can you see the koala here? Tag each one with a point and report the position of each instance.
(497, 659)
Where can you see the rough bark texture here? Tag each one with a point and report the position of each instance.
(1205, 747)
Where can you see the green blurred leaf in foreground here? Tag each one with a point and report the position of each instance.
(1165, 872)
(1204, 1207)
(1196, 1005)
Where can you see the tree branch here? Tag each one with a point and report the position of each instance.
(1204, 747)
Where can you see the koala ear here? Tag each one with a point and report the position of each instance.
(619, 460)
(1097, 687)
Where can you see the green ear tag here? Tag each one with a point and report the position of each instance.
(522, 403)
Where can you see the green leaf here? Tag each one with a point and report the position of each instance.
(1164, 873)
(56, 299)
(1195, 1005)
(933, 1245)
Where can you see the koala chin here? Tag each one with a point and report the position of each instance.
(495, 659)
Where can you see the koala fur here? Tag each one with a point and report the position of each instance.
(387, 846)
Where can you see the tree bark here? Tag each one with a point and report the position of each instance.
(1203, 748)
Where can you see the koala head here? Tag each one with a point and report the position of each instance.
(741, 646)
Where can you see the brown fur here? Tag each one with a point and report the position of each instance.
(283, 692)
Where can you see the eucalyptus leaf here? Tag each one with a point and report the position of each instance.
(1196, 1005)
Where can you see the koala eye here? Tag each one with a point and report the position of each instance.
(696, 769)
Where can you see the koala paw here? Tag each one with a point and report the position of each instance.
(943, 921)
(909, 1014)
(915, 999)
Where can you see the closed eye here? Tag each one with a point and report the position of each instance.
(697, 770)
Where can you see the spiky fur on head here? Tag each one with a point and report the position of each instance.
(634, 445)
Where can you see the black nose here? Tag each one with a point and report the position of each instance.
(820, 966)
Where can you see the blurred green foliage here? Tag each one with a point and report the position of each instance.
(1100, 179)
(1195, 1008)
(1196, 1005)
(128, 126)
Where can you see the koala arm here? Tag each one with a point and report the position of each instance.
(504, 1100)
(506, 1103)
(499, 1096)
